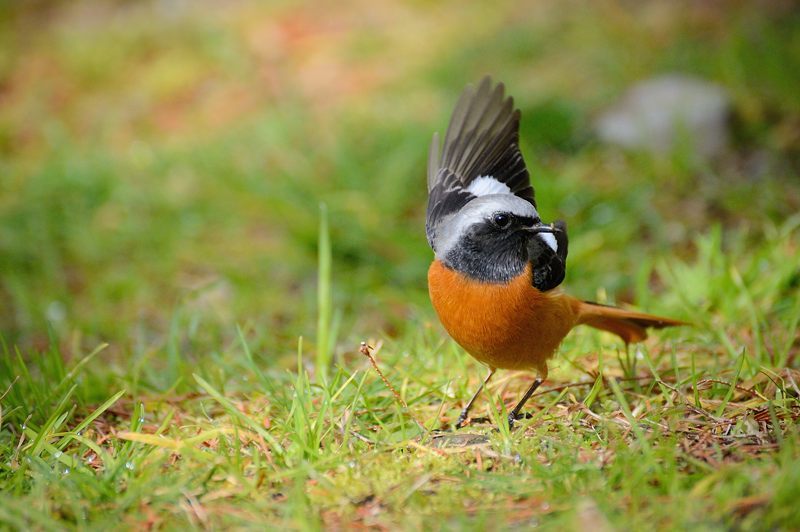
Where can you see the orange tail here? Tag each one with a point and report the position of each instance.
(628, 325)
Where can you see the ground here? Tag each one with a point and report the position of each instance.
(205, 208)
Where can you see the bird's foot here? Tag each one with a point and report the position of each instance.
(462, 419)
(512, 417)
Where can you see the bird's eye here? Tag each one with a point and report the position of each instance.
(501, 220)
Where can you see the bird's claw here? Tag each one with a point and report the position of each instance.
(511, 419)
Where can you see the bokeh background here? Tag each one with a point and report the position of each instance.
(164, 167)
(162, 163)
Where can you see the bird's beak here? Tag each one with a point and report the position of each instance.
(542, 228)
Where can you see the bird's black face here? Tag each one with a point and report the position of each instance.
(494, 249)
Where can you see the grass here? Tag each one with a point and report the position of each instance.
(181, 319)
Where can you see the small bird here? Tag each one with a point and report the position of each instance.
(493, 281)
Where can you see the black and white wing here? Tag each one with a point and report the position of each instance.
(480, 154)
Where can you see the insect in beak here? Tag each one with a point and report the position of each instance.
(542, 228)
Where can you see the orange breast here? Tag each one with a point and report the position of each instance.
(507, 326)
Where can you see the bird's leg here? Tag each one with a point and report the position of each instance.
(514, 415)
(465, 413)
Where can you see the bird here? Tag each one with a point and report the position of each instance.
(497, 269)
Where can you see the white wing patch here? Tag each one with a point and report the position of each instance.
(486, 184)
(550, 240)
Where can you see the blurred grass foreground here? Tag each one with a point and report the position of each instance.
(171, 290)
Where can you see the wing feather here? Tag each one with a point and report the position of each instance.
(433, 160)
(482, 139)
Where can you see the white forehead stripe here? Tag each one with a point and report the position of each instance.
(550, 240)
(486, 184)
(478, 210)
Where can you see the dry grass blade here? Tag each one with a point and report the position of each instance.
(366, 350)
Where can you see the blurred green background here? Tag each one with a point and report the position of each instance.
(162, 163)
(163, 167)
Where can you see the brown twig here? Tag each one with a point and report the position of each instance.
(565, 386)
(749, 391)
(366, 350)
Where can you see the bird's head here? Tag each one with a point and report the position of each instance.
(492, 238)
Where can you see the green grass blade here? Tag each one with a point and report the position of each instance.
(91, 417)
(732, 387)
(324, 296)
(634, 423)
(235, 413)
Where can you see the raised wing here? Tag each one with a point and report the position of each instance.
(480, 155)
